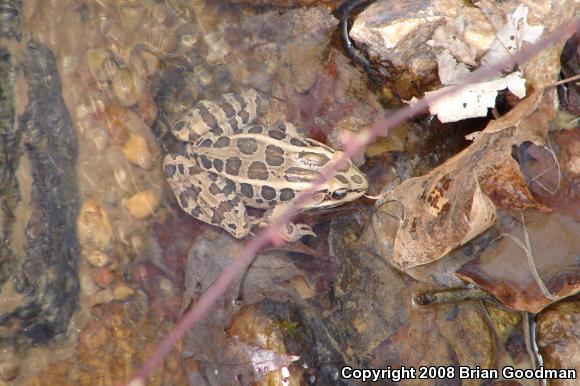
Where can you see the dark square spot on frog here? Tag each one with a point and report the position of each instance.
(276, 134)
(222, 142)
(218, 164)
(245, 116)
(357, 179)
(193, 170)
(214, 189)
(206, 142)
(247, 190)
(187, 198)
(256, 130)
(240, 100)
(195, 212)
(234, 125)
(286, 194)
(205, 161)
(181, 169)
(247, 146)
(227, 108)
(342, 179)
(216, 217)
(268, 192)
(212, 176)
(229, 188)
(274, 155)
(216, 130)
(207, 116)
(297, 142)
(233, 166)
(258, 171)
(223, 207)
(170, 170)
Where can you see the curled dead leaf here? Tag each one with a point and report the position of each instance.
(456, 201)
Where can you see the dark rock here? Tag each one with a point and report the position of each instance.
(43, 277)
(10, 17)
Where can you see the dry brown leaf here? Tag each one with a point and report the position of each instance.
(530, 267)
(456, 201)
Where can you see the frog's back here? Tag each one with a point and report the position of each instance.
(266, 166)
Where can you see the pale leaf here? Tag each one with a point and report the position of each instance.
(475, 99)
(511, 36)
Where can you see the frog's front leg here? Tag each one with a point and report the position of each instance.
(206, 196)
(290, 231)
(225, 116)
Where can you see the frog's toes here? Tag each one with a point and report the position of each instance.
(293, 232)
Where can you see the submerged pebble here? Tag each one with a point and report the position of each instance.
(96, 59)
(103, 296)
(98, 259)
(143, 204)
(127, 88)
(131, 17)
(9, 364)
(94, 225)
(137, 151)
(122, 292)
(103, 277)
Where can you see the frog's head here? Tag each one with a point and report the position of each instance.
(348, 184)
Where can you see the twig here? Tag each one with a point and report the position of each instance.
(526, 246)
(567, 80)
(271, 235)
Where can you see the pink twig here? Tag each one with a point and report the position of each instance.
(240, 263)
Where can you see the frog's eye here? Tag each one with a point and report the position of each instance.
(339, 194)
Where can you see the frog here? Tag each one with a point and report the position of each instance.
(232, 163)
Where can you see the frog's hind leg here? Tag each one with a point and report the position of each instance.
(206, 196)
(225, 116)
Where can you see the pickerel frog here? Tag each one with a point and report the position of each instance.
(231, 164)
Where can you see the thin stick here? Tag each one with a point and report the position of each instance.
(380, 128)
(567, 80)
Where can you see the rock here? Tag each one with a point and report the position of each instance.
(289, 3)
(137, 152)
(102, 276)
(143, 204)
(98, 259)
(267, 57)
(38, 159)
(94, 225)
(95, 335)
(95, 59)
(127, 87)
(122, 292)
(103, 296)
(394, 35)
(130, 17)
(9, 364)
(559, 338)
